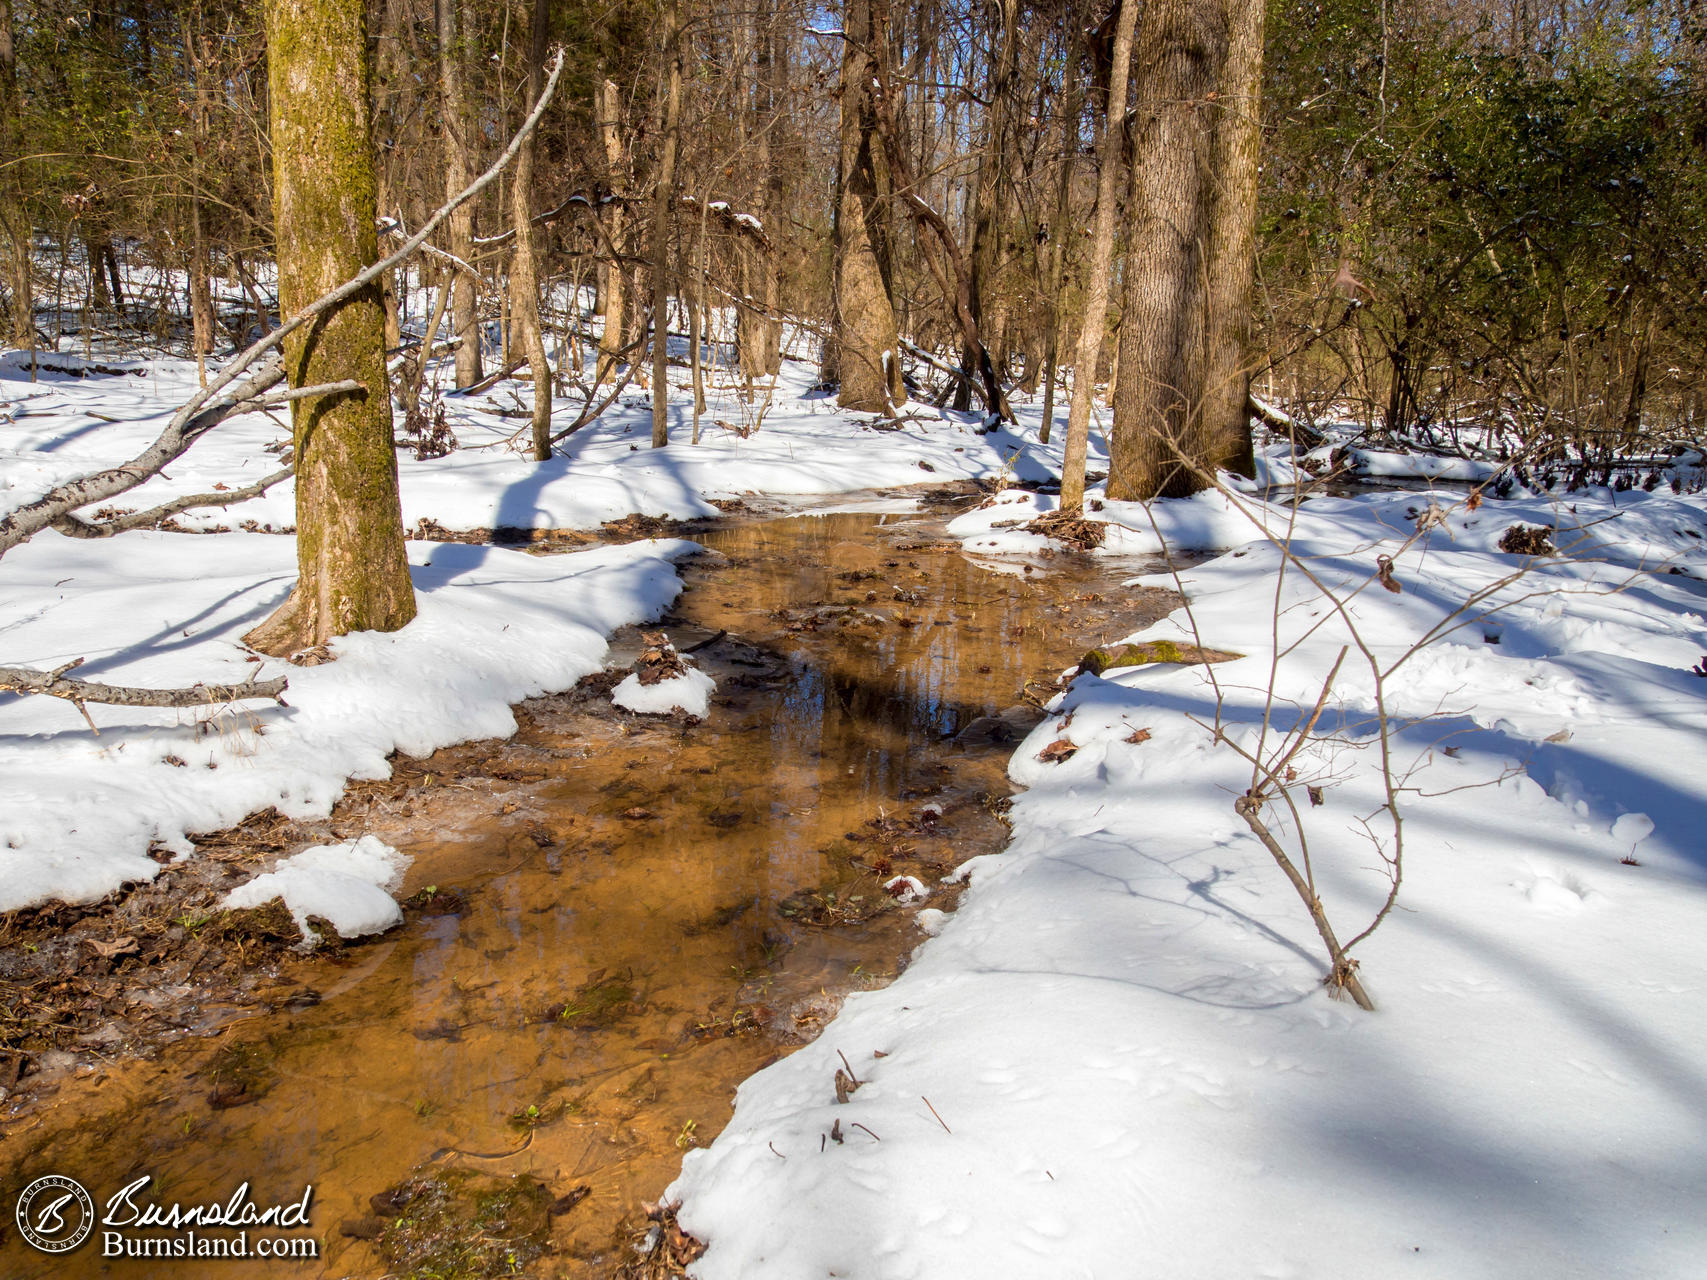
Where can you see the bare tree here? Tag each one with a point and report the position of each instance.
(456, 130)
(663, 223)
(865, 352)
(524, 269)
(1102, 262)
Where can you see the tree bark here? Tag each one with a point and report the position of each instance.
(352, 571)
(758, 331)
(613, 291)
(866, 356)
(1055, 250)
(663, 226)
(1233, 244)
(14, 220)
(1179, 261)
(993, 167)
(1091, 330)
(524, 270)
(456, 131)
(201, 295)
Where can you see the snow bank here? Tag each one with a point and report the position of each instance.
(81, 812)
(689, 692)
(348, 885)
(1117, 1056)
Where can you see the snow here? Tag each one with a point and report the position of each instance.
(1117, 1055)
(348, 885)
(689, 692)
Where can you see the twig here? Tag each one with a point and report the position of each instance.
(939, 1119)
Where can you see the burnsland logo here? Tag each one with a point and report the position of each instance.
(56, 1214)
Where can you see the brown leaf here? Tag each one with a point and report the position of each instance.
(1384, 574)
(563, 1204)
(125, 946)
(1315, 796)
(1057, 751)
(1138, 735)
(638, 814)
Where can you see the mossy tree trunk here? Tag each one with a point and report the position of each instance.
(352, 573)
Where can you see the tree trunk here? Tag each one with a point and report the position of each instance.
(1091, 330)
(613, 287)
(352, 572)
(758, 332)
(456, 131)
(864, 328)
(95, 266)
(14, 221)
(201, 295)
(663, 226)
(992, 177)
(1233, 244)
(524, 270)
(774, 77)
(1163, 441)
(1055, 260)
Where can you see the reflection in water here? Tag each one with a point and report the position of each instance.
(611, 946)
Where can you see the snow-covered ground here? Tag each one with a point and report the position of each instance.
(1116, 1058)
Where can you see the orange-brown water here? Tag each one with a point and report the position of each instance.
(621, 929)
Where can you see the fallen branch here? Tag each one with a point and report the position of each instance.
(1303, 436)
(77, 692)
(76, 527)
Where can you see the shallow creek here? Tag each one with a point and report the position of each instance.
(629, 915)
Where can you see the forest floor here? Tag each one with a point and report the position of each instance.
(1117, 1054)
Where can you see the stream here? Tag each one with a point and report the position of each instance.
(620, 917)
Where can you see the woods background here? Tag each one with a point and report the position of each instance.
(1479, 226)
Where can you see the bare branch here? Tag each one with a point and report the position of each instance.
(54, 685)
(73, 527)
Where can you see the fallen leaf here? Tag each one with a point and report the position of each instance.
(1057, 751)
(1384, 574)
